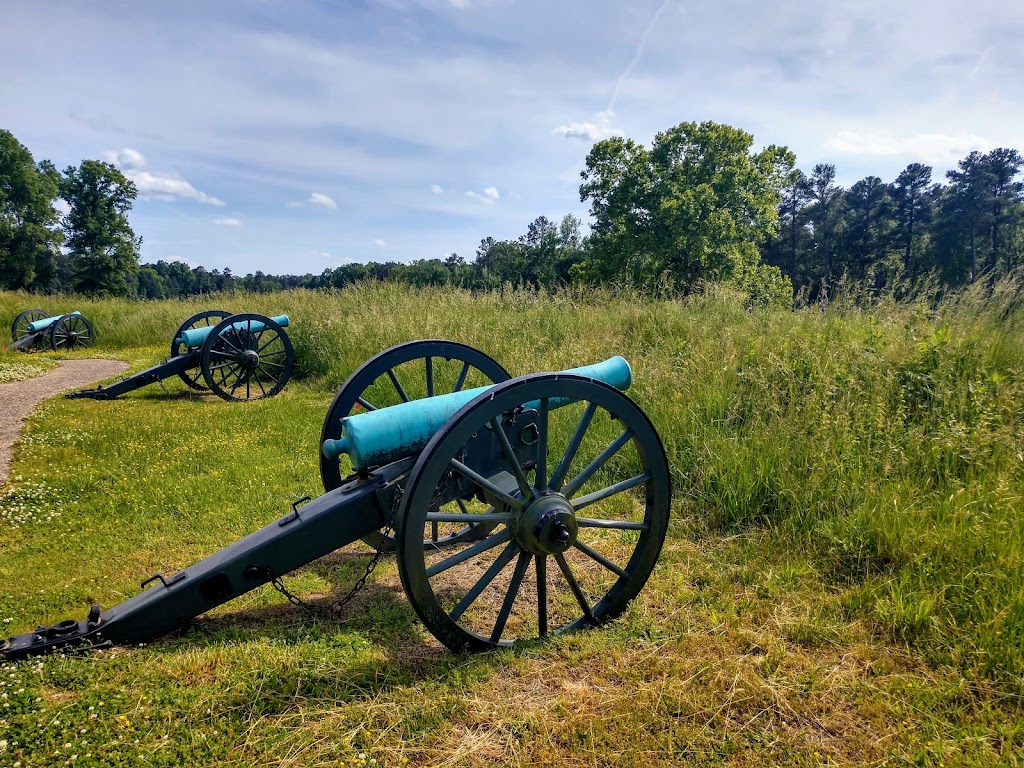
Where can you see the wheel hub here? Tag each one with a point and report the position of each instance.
(250, 359)
(547, 526)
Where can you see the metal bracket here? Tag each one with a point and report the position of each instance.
(180, 575)
(295, 512)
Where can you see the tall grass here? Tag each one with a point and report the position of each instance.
(885, 444)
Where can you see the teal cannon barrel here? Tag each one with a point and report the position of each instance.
(389, 434)
(195, 337)
(46, 322)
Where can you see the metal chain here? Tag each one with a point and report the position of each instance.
(337, 606)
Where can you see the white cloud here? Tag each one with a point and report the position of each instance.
(316, 198)
(928, 147)
(602, 129)
(125, 158)
(228, 222)
(437, 189)
(159, 186)
(489, 195)
(380, 243)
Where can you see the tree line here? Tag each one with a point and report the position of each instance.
(698, 206)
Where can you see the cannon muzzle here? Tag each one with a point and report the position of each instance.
(389, 434)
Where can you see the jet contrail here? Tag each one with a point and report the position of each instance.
(636, 55)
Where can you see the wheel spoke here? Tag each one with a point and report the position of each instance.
(398, 385)
(366, 404)
(574, 485)
(273, 338)
(470, 552)
(541, 473)
(226, 340)
(618, 525)
(542, 595)
(510, 456)
(430, 376)
(462, 377)
(486, 484)
(611, 490)
(574, 445)
(510, 595)
(482, 583)
(597, 556)
(574, 586)
(470, 517)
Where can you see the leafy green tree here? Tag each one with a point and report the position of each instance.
(914, 209)
(692, 208)
(151, 285)
(965, 206)
(103, 249)
(29, 233)
(825, 197)
(1004, 193)
(869, 220)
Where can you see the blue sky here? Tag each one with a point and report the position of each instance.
(292, 136)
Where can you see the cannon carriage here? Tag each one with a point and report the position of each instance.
(33, 331)
(516, 510)
(237, 357)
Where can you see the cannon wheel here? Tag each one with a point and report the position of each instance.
(247, 357)
(19, 328)
(193, 377)
(407, 372)
(70, 333)
(571, 568)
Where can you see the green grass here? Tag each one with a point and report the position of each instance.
(842, 583)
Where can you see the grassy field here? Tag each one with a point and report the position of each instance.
(842, 582)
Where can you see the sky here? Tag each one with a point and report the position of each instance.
(293, 136)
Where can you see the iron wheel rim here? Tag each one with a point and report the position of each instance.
(375, 370)
(71, 332)
(19, 328)
(234, 339)
(589, 592)
(193, 377)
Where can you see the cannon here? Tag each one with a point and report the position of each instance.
(556, 483)
(237, 357)
(33, 331)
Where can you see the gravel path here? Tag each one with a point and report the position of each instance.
(18, 398)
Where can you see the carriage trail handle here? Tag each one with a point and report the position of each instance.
(46, 322)
(196, 336)
(389, 434)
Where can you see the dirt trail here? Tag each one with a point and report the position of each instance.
(18, 398)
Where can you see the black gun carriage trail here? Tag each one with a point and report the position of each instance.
(33, 331)
(237, 357)
(516, 510)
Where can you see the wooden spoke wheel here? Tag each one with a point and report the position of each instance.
(247, 357)
(193, 377)
(402, 373)
(71, 332)
(20, 329)
(579, 504)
